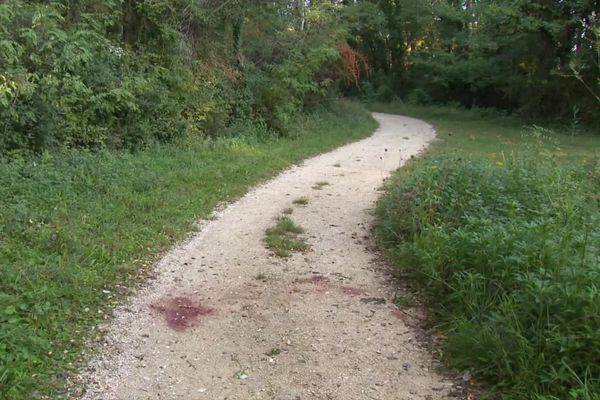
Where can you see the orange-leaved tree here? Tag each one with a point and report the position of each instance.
(352, 63)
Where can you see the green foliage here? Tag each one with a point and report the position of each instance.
(508, 253)
(301, 201)
(77, 228)
(293, 69)
(67, 82)
(283, 238)
(492, 134)
(126, 74)
(538, 58)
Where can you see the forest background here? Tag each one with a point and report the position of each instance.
(122, 74)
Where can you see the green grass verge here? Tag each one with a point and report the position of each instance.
(283, 238)
(500, 231)
(77, 229)
(494, 136)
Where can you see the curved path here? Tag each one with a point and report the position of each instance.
(225, 319)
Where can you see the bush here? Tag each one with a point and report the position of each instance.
(66, 82)
(115, 75)
(508, 255)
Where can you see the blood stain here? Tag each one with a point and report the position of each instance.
(181, 312)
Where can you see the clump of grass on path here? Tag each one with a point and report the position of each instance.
(283, 238)
(320, 185)
(301, 201)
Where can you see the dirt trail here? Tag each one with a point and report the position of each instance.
(227, 320)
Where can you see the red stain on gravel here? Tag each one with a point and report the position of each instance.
(181, 313)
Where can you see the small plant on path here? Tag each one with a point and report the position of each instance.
(320, 185)
(261, 277)
(301, 201)
(273, 352)
(283, 238)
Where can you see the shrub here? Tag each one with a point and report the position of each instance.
(508, 255)
(112, 74)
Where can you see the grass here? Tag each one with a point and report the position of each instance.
(320, 185)
(261, 276)
(283, 238)
(498, 225)
(77, 229)
(404, 300)
(493, 135)
(301, 201)
(273, 352)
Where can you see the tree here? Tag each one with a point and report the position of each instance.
(82, 73)
(510, 54)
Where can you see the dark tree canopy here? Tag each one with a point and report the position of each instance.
(82, 73)
(539, 57)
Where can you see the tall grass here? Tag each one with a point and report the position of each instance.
(508, 254)
(77, 229)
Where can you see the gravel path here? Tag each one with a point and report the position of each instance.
(225, 319)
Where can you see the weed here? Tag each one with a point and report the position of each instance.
(282, 239)
(273, 352)
(508, 256)
(241, 374)
(404, 300)
(498, 225)
(301, 201)
(337, 165)
(288, 211)
(320, 185)
(373, 300)
(261, 277)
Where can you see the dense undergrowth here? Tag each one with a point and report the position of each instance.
(506, 249)
(127, 74)
(78, 228)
